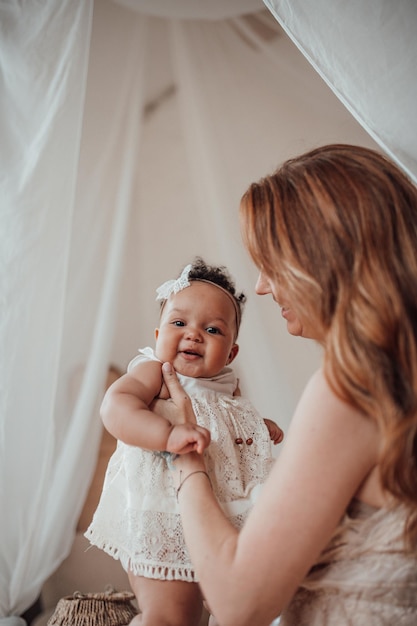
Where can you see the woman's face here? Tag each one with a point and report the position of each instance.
(295, 325)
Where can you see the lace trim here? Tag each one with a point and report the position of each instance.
(158, 571)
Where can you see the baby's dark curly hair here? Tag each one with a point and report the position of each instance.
(219, 275)
(215, 274)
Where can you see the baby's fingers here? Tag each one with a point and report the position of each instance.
(203, 441)
(197, 441)
(278, 436)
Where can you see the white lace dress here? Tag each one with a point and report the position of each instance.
(137, 520)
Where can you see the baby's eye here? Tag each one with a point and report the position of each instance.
(213, 330)
(178, 323)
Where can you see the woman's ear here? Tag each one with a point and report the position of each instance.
(233, 354)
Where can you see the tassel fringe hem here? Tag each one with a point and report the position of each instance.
(157, 571)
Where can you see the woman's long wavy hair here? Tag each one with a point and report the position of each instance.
(338, 228)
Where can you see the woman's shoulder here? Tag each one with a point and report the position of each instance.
(331, 426)
(339, 428)
(322, 416)
(320, 393)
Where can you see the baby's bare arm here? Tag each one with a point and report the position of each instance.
(126, 411)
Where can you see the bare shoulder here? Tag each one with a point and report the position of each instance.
(322, 409)
(353, 435)
(335, 443)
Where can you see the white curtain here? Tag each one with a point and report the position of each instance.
(128, 136)
(367, 54)
(43, 58)
(193, 9)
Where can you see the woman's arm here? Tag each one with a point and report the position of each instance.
(249, 577)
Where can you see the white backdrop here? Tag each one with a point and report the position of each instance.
(128, 136)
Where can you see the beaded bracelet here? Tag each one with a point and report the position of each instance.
(188, 476)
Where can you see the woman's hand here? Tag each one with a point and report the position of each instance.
(181, 408)
(181, 400)
(173, 403)
(186, 436)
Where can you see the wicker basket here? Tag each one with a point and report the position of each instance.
(112, 608)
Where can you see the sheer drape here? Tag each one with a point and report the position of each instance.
(64, 233)
(367, 54)
(43, 58)
(112, 180)
(192, 9)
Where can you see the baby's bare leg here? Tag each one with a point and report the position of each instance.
(166, 602)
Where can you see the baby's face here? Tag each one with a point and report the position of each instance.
(197, 330)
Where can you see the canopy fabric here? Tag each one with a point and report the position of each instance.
(193, 9)
(367, 53)
(128, 140)
(43, 59)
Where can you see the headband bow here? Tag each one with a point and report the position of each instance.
(175, 285)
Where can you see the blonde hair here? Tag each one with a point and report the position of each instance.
(338, 227)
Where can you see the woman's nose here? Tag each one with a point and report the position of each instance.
(262, 286)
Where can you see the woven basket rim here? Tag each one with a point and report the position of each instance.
(114, 596)
(109, 608)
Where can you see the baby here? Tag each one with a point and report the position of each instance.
(137, 520)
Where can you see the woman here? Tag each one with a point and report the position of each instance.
(332, 539)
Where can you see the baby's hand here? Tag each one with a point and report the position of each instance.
(275, 432)
(188, 437)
